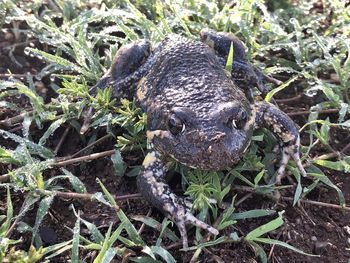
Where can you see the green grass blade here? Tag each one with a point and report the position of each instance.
(283, 244)
(163, 253)
(76, 183)
(105, 246)
(261, 230)
(324, 179)
(116, 233)
(75, 244)
(255, 213)
(60, 62)
(145, 260)
(278, 89)
(9, 214)
(52, 128)
(57, 249)
(109, 255)
(33, 147)
(118, 163)
(259, 251)
(95, 233)
(7, 156)
(149, 221)
(229, 62)
(209, 243)
(43, 208)
(130, 229)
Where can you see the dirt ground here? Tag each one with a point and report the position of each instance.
(312, 228)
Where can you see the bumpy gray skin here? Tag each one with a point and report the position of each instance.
(198, 113)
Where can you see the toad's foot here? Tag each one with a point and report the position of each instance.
(270, 117)
(179, 212)
(153, 187)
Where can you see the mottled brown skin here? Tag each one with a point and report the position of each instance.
(203, 97)
(198, 113)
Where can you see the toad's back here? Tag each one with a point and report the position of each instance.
(187, 74)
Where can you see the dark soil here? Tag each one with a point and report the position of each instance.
(311, 228)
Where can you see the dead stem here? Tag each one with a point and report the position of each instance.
(243, 199)
(307, 112)
(58, 162)
(347, 147)
(249, 189)
(64, 135)
(15, 129)
(319, 203)
(174, 245)
(292, 99)
(326, 156)
(271, 252)
(13, 120)
(84, 158)
(88, 196)
(8, 75)
(91, 145)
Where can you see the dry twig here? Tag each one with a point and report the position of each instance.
(84, 158)
(307, 112)
(91, 145)
(318, 203)
(87, 196)
(64, 135)
(13, 120)
(292, 99)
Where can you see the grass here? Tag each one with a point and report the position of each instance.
(306, 46)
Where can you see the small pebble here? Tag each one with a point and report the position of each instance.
(40, 86)
(329, 227)
(347, 230)
(321, 247)
(313, 238)
(9, 36)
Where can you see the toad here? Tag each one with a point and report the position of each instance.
(198, 113)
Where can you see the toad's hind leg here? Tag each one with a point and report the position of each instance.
(153, 186)
(270, 117)
(129, 65)
(244, 74)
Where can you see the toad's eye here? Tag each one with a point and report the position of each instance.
(239, 120)
(175, 125)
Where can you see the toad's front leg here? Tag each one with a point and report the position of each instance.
(153, 186)
(275, 120)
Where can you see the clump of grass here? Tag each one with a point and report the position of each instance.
(77, 42)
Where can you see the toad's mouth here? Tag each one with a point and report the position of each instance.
(215, 162)
(217, 152)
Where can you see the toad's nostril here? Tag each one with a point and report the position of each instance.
(217, 137)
